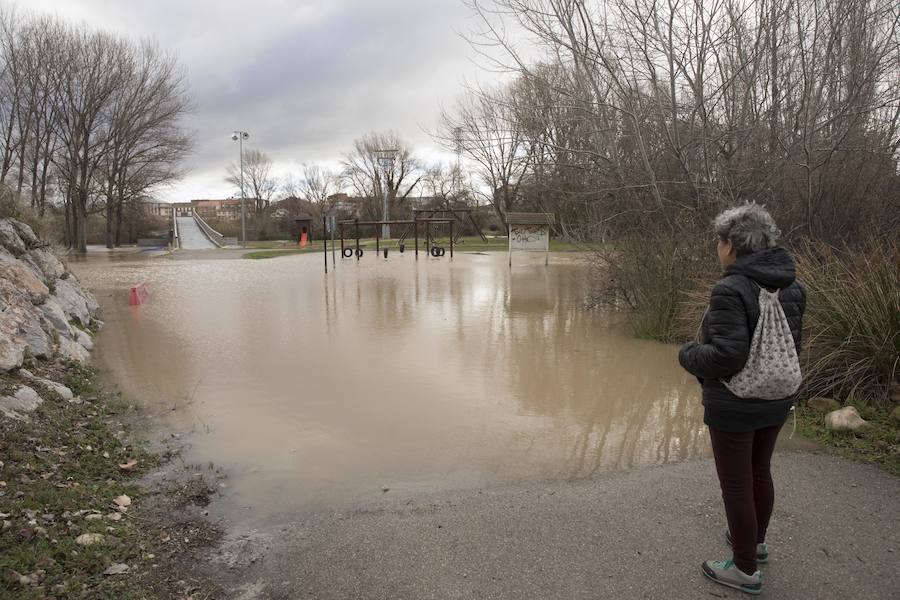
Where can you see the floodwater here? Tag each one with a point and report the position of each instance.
(317, 390)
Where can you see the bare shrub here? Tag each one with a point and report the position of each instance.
(852, 325)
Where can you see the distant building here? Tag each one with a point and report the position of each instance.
(156, 209)
(228, 209)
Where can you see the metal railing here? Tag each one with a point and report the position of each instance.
(214, 236)
(176, 243)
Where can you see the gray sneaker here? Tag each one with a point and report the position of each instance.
(762, 550)
(725, 572)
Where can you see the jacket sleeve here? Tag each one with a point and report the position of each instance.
(727, 343)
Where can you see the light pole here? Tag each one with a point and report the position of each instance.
(385, 161)
(239, 137)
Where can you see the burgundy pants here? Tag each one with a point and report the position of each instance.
(742, 462)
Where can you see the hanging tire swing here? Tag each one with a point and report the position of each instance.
(385, 252)
(437, 251)
(359, 252)
(402, 248)
(347, 252)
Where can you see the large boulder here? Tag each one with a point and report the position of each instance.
(83, 338)
(74, 301)
(22, 402)
(73, 350)
(9, 237)
(46, 262)
(37, 341)
(23, 277)
(846, 419)
(18, 319)
(26, 234)
(56, 316)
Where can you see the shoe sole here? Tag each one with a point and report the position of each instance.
(760, 558)
(753, 591)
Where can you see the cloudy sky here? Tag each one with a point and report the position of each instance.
(303, 77)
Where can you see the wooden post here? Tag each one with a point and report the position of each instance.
(416, 227)
(325, 241)
(451, 239)
(357, 241)
(377, 239)
(342, 240)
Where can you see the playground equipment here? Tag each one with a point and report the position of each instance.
(304, 229)
(429, 226)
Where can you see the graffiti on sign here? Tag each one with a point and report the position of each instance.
(530, 237)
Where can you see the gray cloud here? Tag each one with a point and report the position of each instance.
(305, 78)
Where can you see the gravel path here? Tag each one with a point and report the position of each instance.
(637, 534)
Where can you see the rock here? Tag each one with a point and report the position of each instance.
(59, 389)
(12, 352)
(37, 340)
(73, 350)
(9, 238)
(90, 539)
(23, 278)
(50, 266)
(55, 314)
(895, 393)
(26, 234)
(846, 419)
(22, 402)
(823, 404)
(83, 338)
(122, 501)
(116, 569)
(71, 300)
(895, 414)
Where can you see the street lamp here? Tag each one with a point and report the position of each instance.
(386, 161)
(239, 137)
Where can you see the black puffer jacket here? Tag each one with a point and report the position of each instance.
(726, 333)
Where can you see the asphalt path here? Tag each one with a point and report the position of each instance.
(835, 533)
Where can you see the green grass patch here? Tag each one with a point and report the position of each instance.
(879, 445)
(57, 469)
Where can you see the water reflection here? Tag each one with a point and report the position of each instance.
(316, 389)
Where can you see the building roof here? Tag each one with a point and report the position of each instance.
(519, 218)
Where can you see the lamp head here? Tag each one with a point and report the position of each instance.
(234, 137)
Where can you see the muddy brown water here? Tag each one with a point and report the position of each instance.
(316, 391)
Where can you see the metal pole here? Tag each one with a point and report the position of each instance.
(342, 240)
(325, 241)
(357, 241)
(243, 207)
(451, 239)
(333, 263)
(416, 227)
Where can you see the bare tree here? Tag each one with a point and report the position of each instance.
(258, 179)
(487, 129)
(145, 142)
(363, 175)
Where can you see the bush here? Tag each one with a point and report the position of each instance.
(852, 324)
(654, 276)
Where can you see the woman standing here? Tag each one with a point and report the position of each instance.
(743, 430)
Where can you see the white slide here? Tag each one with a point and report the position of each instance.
(191, 236)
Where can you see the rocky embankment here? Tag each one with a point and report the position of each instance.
(45, 316)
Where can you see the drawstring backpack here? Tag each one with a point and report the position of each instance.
(772, 371)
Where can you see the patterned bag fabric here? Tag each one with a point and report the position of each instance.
(772, 371)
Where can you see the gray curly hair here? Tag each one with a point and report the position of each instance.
(749, 227)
